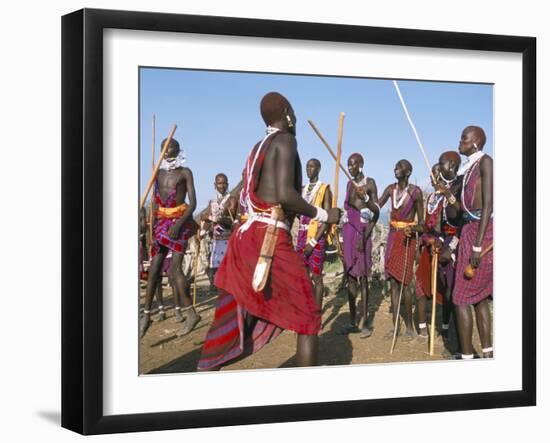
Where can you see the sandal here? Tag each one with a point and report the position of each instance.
(188, 325)
(348, 329)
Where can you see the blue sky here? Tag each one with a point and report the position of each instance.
(218, 120)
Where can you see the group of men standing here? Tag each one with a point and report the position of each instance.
(265, 284)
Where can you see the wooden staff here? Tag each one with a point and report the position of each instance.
(338, 157)
(470, 271)
(330, 149)
(398, 307)
(197, 257)
(152, 215)
(157, 167)
(434, 297)
(337, 175)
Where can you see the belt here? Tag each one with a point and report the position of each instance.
(263, 218)
(469, 216)
(449, 230)
(176, 212)
(398, 225)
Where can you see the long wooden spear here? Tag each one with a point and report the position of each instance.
(414, 130)
(157, 167)
(337, 176)
(151, 215)
(338, 157)
(434, 299)
(196, 264)
(329, 148)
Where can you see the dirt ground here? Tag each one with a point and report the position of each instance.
(161, 351)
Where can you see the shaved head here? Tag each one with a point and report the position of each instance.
(407, 165)
(173, 145)
(478, 133)
(221, 175)
(357, 157)
(173, 148)
(273, 107)
(450, 156)
(315, 161)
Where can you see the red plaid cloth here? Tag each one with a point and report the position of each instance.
(163, 225)
(287, 300)
(399, 258)
(316, 259)
(468, 292)
(423, 284)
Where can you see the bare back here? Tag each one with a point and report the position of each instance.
(271, 172)
(280, 177)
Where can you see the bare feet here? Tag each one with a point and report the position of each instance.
(389, 334)
(410, 334)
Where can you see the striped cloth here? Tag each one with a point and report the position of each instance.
(163, 225)
(445, 273)
(227, 340)
(315, 261)
(399, 259)
(468, 292)
(357, 264)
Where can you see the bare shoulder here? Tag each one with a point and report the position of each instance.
(416, 191)
(388, 188)
(285, 142)
(186, 173)
(486, 161)
(371, 183)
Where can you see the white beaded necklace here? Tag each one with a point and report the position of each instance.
(433, 202)
(308, 194)
(362, 183)
(398, 201)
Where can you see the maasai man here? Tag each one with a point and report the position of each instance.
(143, 252)
(174, 225)
(144, 257)
(245, 320)
(311, 241)
(362, 211)
(406, 204)
(451, 220)
(440, 236)
(476, 237)
(220, 218)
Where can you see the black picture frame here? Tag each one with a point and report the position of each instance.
(82, 218)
